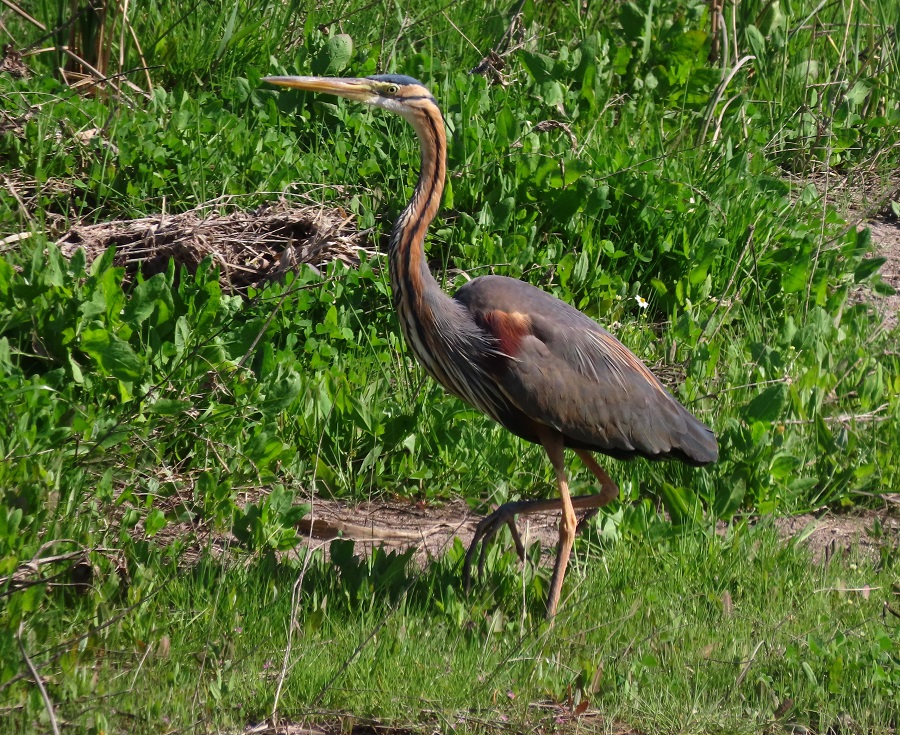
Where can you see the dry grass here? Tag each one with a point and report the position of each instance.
(249, 247)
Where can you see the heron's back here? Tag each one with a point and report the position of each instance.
(565, 371)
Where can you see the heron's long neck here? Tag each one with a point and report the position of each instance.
(439, 331)
(417, 296)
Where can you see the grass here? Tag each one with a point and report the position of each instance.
(748, 629)
(615, 165)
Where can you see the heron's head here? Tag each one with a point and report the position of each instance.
(401, 94)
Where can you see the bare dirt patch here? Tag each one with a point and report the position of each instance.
(863, 199)
(886, 238)
(869, 205)
(828, 534)
(397, 525)
(400, 525)
(549, 717)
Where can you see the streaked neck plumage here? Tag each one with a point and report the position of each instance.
(411, 280)
(424, 310)
(440, 331)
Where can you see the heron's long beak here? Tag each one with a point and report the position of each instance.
(359, 90)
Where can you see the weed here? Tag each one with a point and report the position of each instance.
(689, 206)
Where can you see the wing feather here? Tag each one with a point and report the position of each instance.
(569, 373)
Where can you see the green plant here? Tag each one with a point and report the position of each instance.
(163, 437)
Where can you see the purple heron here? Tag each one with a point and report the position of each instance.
(534, 364)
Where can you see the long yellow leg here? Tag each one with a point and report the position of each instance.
(609, 491)
(553, 444)
(506, 514)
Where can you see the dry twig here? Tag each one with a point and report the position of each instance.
(249, 247)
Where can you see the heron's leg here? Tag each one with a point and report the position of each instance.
(609, 491)
(506, 515)
(553, 444)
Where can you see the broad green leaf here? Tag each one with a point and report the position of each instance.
(147, 296)
(169, 407)
(768, 405)
(867, 267)
(757, 43)
(729, 496)
(6, 277)
(503, 212)
(681, 503)
(154, 522)
(794, 279)
(114, 356)
(77, 375)
(334, 56)
(539, 66)
(632, 19)
(505, 125)
(805, 72)
(857, 94)
(281, 389)
(784, 465)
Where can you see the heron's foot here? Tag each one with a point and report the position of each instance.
(505, 515)
(590, 513)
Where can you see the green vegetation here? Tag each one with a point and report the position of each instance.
(681, 634)
(615, 163)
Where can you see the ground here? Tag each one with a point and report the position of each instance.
(399, 525)
(886, 238)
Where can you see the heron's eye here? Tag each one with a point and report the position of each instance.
(391, 89)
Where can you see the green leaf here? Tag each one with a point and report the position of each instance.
(505, 126)
(566, 203)
(784, 465)
(682, 504)
(7, 274)
(334, 56)
(552, 93)
(794, 279)
(631, 19)
(807, 669)
(169, 407)
(503, 212)
(805, 72)
(77, 375)
(638, 25)
(114, 356)
(729, 497)
(147, 296)
(280, 390)
(539, 66)
(155, 522)
(866, 268)
(857, 94)
(229, 31)
(768, 405)
(757, 43)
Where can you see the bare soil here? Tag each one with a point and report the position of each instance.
(398, 525)
(886, 239)
(864, 200)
